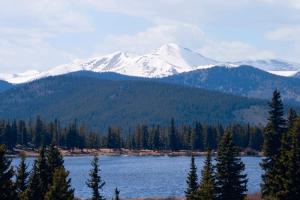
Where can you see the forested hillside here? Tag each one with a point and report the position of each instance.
(5, 85)
(243, 81)
(101, 103)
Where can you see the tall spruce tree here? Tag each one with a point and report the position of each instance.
(207, 183)
(196, 139)
(272, 142)
(230, 182)
(95, 183)
(291, 119)
(54, 160)
(32, 191)
(38, 181)
(192, 181)
(172, 134)
(6, 173)
(59, 189)
(289, 179)
(21, 182)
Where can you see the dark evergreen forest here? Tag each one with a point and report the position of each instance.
(174, 137)
(103, 103)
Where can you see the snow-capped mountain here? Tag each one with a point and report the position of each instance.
(167, 60)
(274, 66)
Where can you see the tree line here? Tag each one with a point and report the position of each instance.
(195, 137)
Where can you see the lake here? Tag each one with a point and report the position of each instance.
(143, 176)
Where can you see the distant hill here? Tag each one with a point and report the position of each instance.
(101, 103)
(5, 86)
(242, 81)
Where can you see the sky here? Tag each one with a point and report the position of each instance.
(42, 34)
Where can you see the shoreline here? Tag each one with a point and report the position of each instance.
(112, 152)
(251, 196)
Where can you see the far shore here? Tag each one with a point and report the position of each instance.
(254, 196)
(118, 152)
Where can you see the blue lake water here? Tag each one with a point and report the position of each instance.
(143, 176)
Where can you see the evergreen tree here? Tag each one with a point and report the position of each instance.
(207, 183)
(291, 119)
(192, 181)
(8, 140)
(272, 142)
(196, 139)
(59, 189)
(289, 182)
(6, 173)
(82, 138)
(54, 160)
(279, 170)
(37, 132)
(256, 138)
(230, 183)
(173, 142)
(32, 191)
(14, 132)
(129, 140)
(117, 192)
(156, 138)
(136, 136)
(95, 183)
(38, 181)
(22, 133)
(21, 177)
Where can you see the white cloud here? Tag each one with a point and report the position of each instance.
(146, 41)
(186, 35)
(233, 51)
(25, 26)
(284, 34)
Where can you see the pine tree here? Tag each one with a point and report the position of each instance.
(129, 140)
(38, 181)
(207, 183)
(291, 119)
(117, 192)
(230, 183)
(196, 139)
(290, 178)
(6, 173)
(95, 183)
(14, 132)
(272, 143)
(37, 132)
(22, 133)
(173, 142)
(32, 191)
(54, 160)
(59, 189)
(21, 177)
(192, 181)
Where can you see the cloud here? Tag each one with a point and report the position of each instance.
(150, 39)
(185, 35)
(233, 51)
(284, 34)
(25, 26)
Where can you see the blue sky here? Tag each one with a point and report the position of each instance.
(40, 35)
